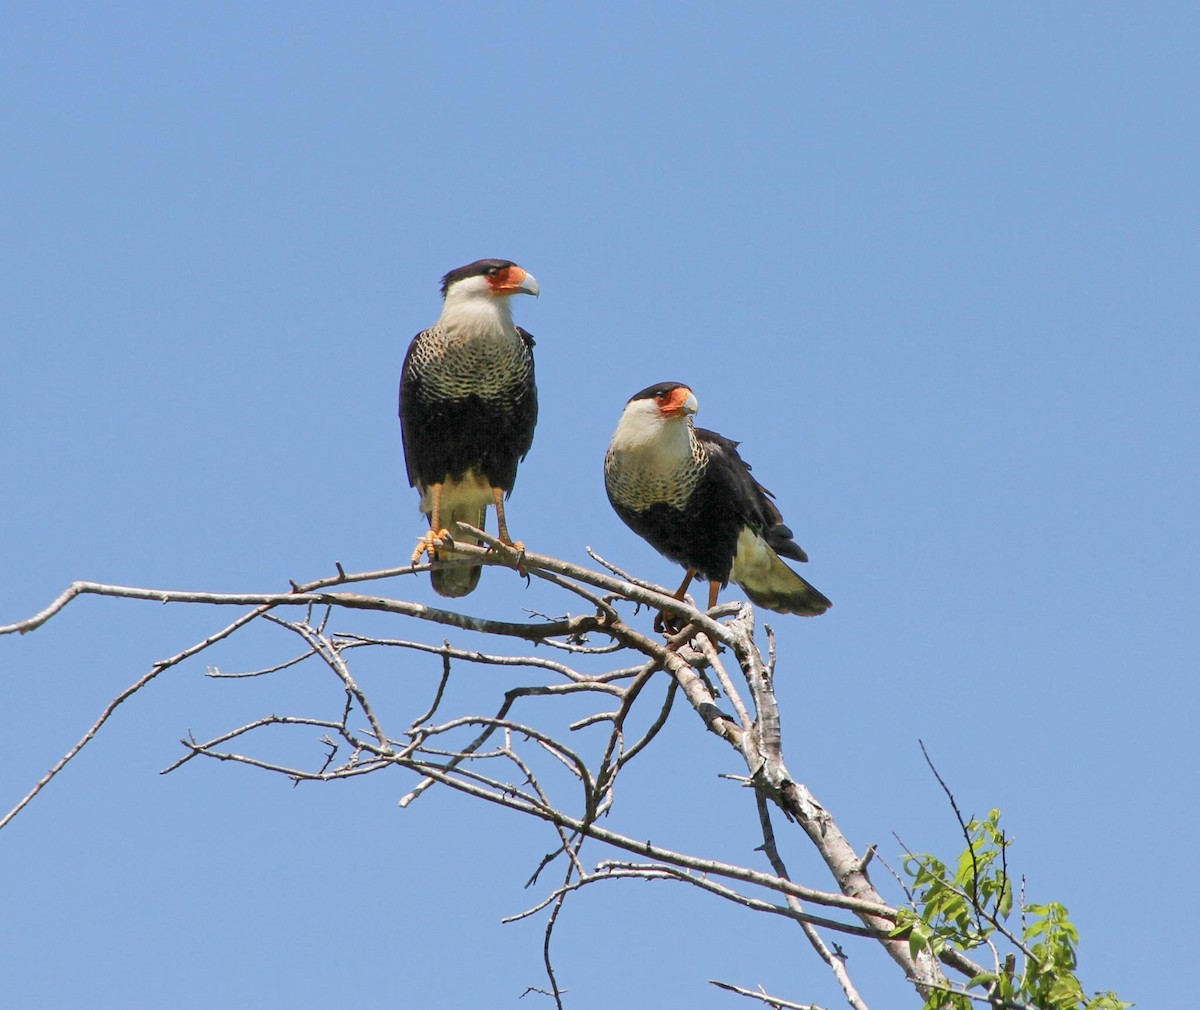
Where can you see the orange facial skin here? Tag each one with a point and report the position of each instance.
(671, 402)
(507, 281)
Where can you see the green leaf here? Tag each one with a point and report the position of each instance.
(918, 940)
(961, 910)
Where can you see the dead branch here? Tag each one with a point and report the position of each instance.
(474, 754)
(772, 1001)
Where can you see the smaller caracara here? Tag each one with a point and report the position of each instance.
(468, 406)
(688, 493)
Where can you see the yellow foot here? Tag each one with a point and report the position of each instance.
(668, 624)
(429, 543)
(519, 547)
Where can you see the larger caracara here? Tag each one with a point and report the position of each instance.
(468, 406)
(688, 493)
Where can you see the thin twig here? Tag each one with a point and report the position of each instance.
(216, 674)
(761, 995)
(125, 695)
(836, 964)
(348, 641)
(441, 690)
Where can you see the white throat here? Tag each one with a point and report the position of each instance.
(647, 440)
(475, 313)
(652, 459)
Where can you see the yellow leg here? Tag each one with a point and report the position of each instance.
(433, 539)
(502, 526)
(664, 622)
(713, 589)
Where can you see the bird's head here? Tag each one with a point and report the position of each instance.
(666, 400)
(489, 279)
(659, 415)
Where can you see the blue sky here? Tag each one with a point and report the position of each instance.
(935, 266)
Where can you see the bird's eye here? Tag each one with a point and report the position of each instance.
(492, 271)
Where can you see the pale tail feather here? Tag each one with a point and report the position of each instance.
(459, 580)
(769, 583)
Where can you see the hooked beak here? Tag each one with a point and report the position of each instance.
(681, 403)
(515, 281)
(529, 284)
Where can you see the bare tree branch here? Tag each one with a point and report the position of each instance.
(772, 1001)
(521, 763)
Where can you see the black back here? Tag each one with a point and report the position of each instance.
(703, 534)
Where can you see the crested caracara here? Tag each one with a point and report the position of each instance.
(688, 493)
(468, 406)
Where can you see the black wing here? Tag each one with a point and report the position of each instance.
(751, 501)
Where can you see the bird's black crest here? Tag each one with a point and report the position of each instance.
(476, 269)
(650, 392)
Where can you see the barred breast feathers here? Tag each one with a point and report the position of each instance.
(648, 465)
(472, 353)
